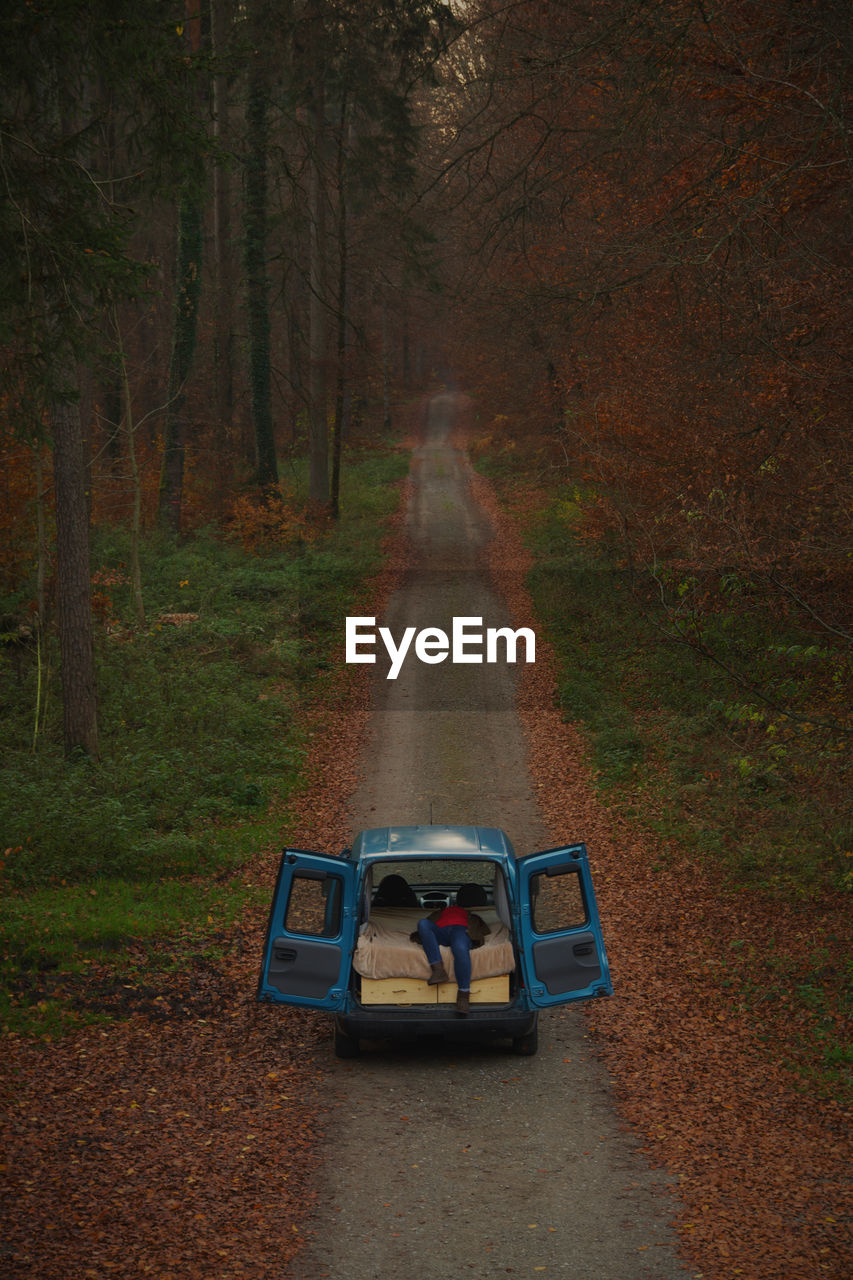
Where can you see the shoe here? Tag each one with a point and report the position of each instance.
(439, 974)
(463, 1001)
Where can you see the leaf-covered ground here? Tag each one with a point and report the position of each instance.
(183, 1140)
(180, 1141)
(762, 1163)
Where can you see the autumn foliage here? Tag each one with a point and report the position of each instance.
(659, 301)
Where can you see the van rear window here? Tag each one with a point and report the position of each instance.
(444, 871)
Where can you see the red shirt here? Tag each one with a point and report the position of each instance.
(452, 915)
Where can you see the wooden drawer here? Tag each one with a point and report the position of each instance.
(418, 991)
(483, 991)
(398, 991)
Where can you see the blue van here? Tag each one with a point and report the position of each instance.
(342, 935)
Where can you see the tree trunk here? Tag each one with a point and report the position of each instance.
(136, 518)
(318, 430)
(407, 355)
(185, 328)
(343, 321)
(223, 296)
(386, 364)
(183, 350)
(257, 284)
(74, 582)
(41, 596)
(41, 526)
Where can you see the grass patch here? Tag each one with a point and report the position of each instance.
(203, 714)
(67, 947)
(807, 993)
(671, 738)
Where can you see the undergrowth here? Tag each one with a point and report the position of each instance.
(673, 740)
(676, 746)
(202, 725)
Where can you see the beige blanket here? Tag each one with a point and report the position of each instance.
(385, 950)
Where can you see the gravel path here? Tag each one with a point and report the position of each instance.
(469, 1161)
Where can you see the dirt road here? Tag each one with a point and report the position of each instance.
(471, 1161)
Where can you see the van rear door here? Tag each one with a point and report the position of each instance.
(311, 932)
(560, 939)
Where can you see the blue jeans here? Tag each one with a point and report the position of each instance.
(454, 936)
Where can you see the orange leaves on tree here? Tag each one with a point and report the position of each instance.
(264, 521)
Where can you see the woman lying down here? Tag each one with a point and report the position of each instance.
(459, 929)
(389, 943)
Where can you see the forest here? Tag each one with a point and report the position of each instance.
(241, 240)
(242, 243)
(659, 255)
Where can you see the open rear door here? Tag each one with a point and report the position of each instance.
(562, 948)
(311, 932)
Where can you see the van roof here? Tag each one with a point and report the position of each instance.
(402, 841)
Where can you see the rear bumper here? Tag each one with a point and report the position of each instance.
(391, 1022)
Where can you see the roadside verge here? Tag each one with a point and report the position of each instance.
(760, 1165)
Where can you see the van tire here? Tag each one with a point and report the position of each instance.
(526, 1045)
(346, 1046)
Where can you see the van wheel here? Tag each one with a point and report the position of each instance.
(526, 1045)
(346, 1046)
